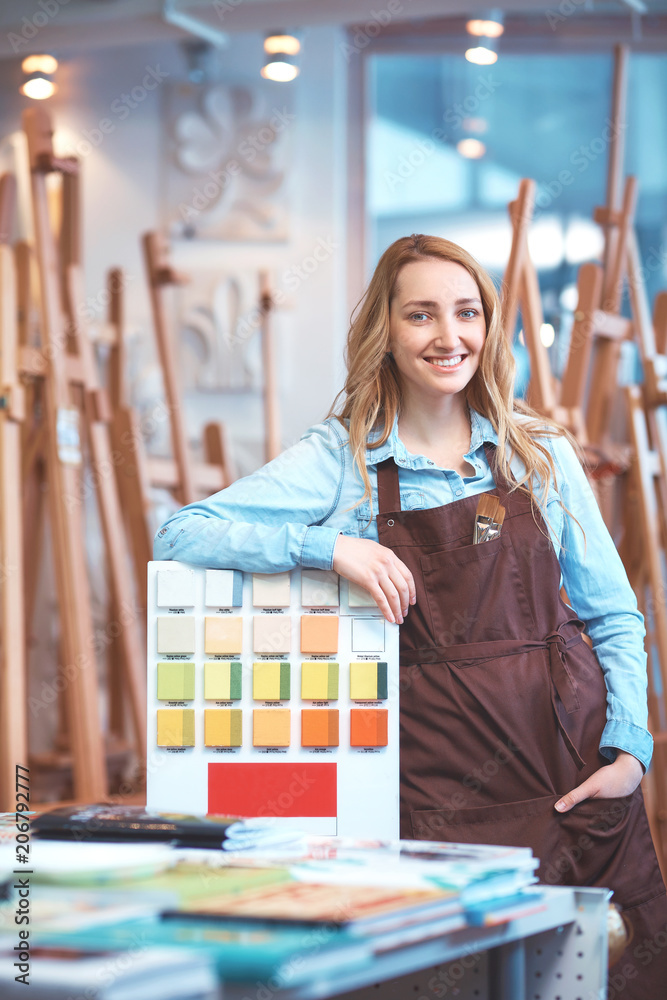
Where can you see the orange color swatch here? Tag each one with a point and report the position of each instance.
(319, 634)
(368, 727)
(319, 727)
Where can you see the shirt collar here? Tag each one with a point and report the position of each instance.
(482, 430)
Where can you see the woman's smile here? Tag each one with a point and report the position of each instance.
(446, 364)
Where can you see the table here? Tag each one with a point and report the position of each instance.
(557, 954)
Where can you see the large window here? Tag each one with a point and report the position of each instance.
(539, 116)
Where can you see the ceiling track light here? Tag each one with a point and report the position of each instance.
(278, 42)
(483, 53)
(38, 71)
(489, 23)
(281, 48)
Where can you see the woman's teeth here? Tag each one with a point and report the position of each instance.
(446, 362)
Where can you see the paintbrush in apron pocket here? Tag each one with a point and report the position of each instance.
(487, 506)
(488, 519)
(491, 531)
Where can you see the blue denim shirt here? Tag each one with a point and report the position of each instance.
(290, 512)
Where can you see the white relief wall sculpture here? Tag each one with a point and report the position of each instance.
(227, 162)
(220, 337)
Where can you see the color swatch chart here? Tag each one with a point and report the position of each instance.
(272, 695)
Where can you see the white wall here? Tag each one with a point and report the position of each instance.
(122, 190)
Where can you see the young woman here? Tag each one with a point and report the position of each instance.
(513, 730)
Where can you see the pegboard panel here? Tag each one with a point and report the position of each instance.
(570, 962)
(466, 978)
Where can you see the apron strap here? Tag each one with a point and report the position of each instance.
(389, 495)
(502, 485)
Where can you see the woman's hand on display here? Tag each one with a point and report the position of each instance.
(379, 571)
(611, 781)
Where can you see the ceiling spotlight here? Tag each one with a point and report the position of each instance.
(289, 44)
(482, 54)
(40, 64)
(279, 69)
(489, 24)
(472, 149)
(281, 49)
(38, 70)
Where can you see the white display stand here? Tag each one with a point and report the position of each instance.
(344, 790)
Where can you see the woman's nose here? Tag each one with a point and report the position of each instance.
(447, 335)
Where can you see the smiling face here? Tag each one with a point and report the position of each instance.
(436, 329)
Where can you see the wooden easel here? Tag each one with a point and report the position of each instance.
(63, 459)
(521, 289)
(597, 334)
(13, 670)
(97, 414)
(73, 401)
(272, 445)
(183, 477)
(126, 438)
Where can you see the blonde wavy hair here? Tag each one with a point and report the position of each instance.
(372, 392)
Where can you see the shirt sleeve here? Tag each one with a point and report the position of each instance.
(271, 520)
(599, 591)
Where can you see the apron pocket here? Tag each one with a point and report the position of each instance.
(603, 842)
(606, 842)
(475, 594)
(512, 824)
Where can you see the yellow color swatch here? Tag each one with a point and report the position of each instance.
(223, 634)
(175, 727)
(222, 681)
(368, 681)
(319, 681)
(222, 727)
(271, 727)
(270, 681)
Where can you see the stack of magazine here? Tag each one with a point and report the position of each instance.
(289, 906)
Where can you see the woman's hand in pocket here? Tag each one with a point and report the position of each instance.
(375, 568)
(610, 782)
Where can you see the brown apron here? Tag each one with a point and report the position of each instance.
(502, 709)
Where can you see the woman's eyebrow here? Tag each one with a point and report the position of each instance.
(427, 304)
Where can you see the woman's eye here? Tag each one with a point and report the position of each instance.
(469, 312)
(418, 316)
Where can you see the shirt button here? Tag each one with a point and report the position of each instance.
(459, 492)
(429, 462)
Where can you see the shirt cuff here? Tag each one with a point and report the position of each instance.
(317, 550)
(619, 735)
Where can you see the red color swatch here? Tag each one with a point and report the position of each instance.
(275, 789)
